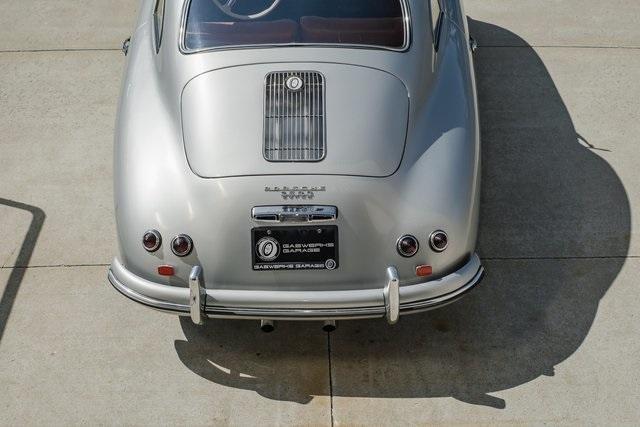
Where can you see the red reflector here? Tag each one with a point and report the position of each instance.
(424, 270)
(166, 270)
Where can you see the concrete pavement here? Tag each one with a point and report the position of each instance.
(551, 336)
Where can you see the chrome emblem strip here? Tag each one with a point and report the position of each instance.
(301, 213)
(296, 192)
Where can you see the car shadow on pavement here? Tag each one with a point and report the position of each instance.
(554, 234)
(22, 260)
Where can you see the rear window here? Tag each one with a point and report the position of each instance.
(223, 23)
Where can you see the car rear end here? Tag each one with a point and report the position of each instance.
(311, 166)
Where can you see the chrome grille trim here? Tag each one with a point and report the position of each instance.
(294, 121)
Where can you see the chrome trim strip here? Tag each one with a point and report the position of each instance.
(408, 38)
(294, 213)
(197, 295)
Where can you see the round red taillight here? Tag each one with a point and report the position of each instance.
(182, 245)
(151, 240)
(407, 246)
(439, 241)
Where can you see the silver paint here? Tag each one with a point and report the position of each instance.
(403, 157)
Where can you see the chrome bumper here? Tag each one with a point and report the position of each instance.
(390, 300)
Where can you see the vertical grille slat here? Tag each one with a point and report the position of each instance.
(294, 127)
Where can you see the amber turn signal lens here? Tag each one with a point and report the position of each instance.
(166, 270)
(182, 245)
(151, 240)
(424, 270)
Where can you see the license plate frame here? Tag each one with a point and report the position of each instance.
(295, 248)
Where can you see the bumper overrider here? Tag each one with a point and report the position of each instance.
(389, 300)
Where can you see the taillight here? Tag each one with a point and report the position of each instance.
(407, 246)
(151, 240)
(439, 241)
(182, 245)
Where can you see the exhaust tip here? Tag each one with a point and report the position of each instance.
(267, 326)
(329, 326)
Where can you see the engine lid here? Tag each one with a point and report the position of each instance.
(255, 120)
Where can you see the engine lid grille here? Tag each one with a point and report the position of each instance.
(294, 124)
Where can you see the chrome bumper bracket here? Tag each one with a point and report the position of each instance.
(392, 296)
(197, 295)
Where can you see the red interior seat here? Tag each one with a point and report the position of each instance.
(369, 31)
(239, 33)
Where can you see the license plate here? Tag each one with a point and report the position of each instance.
(295, 248)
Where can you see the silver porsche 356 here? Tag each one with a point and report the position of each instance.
(297, 159)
